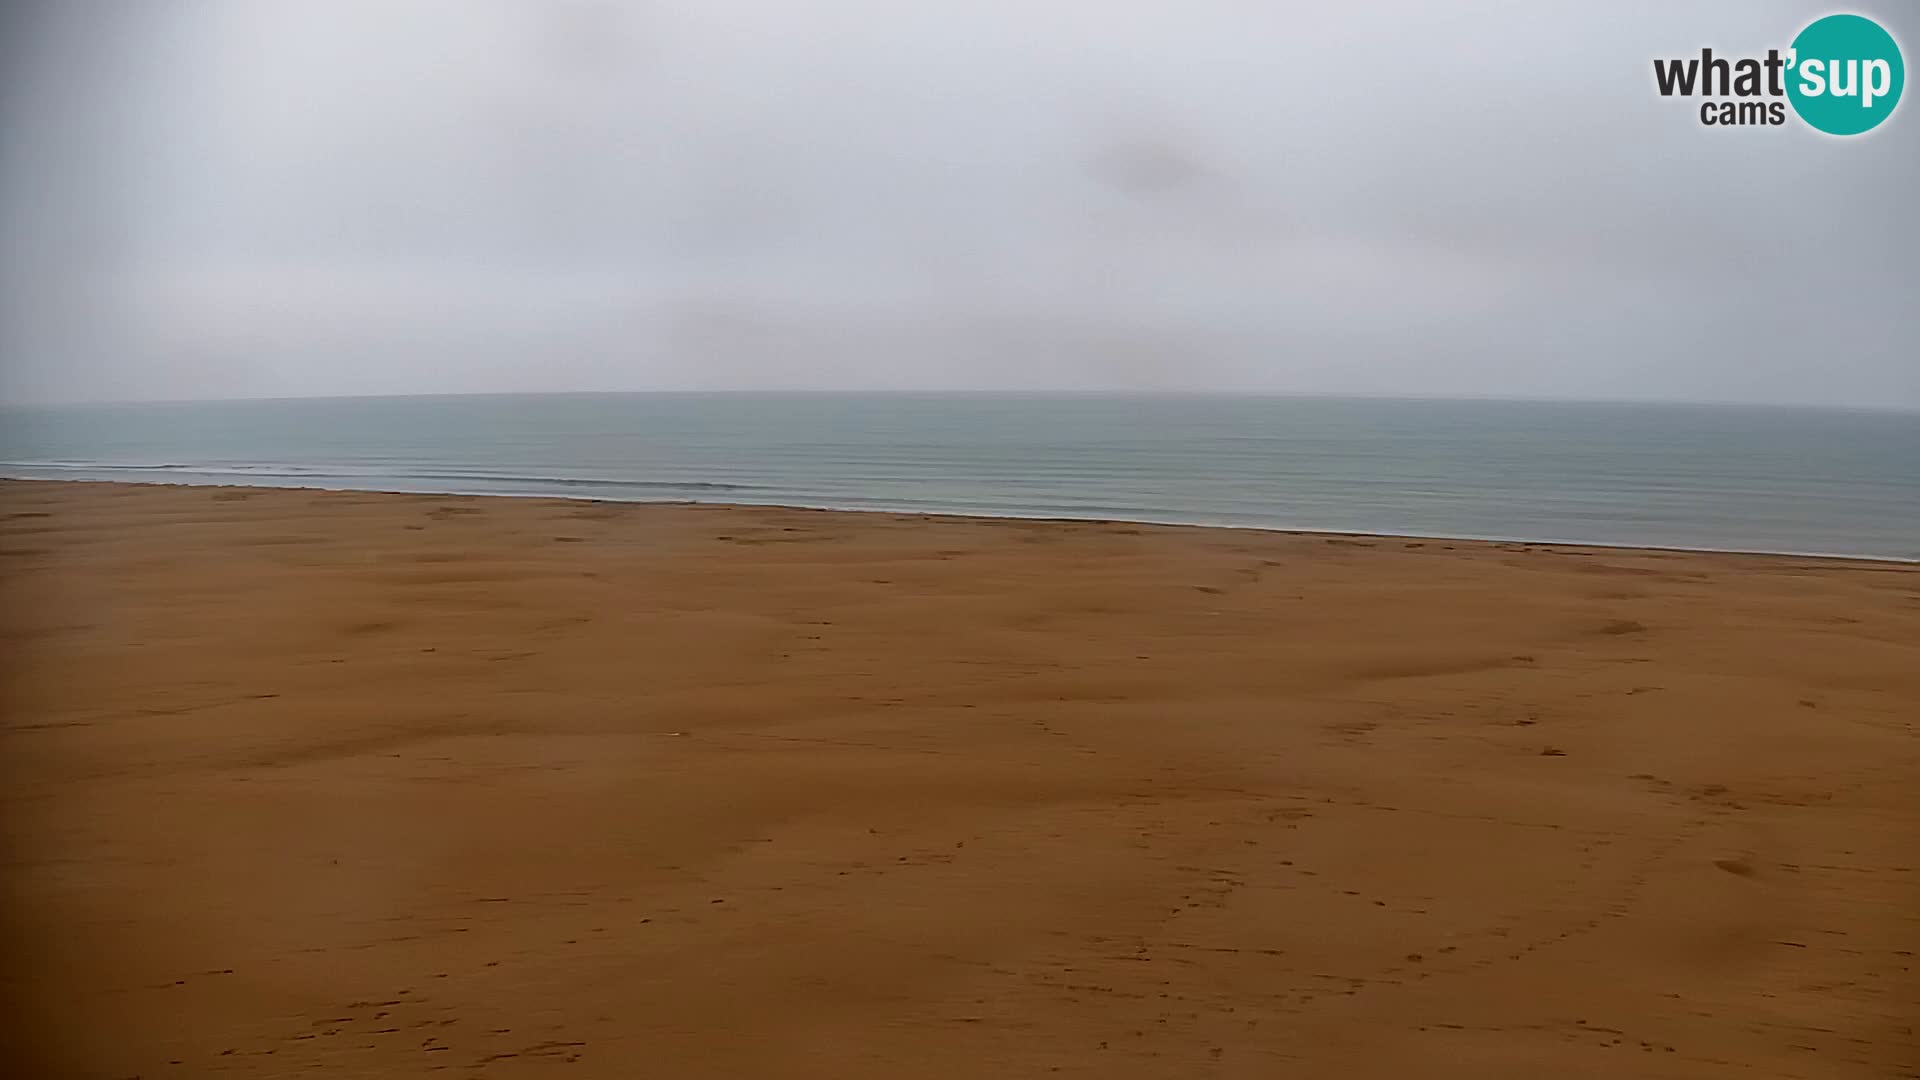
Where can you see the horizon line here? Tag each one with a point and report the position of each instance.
(980, 392)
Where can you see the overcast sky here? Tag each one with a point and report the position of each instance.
(241, 198)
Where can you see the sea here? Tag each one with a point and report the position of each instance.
(1733, 478)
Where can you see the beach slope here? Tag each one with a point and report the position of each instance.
(390, 785)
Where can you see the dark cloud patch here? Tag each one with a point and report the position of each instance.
(1146, 168)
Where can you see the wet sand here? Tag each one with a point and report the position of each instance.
(385, 785)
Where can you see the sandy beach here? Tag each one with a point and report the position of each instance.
(388, 785)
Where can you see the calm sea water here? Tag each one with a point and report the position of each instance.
(1750, 479)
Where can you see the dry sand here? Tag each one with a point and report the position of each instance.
(387, 785)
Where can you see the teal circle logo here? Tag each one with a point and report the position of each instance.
(1846, 74)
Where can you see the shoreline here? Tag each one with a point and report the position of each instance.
(1824, 557)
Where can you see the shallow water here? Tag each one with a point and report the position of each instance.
(1722, 477)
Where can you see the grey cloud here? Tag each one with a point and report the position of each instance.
(254, 197)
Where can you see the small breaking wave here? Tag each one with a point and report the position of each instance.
(316, 473)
